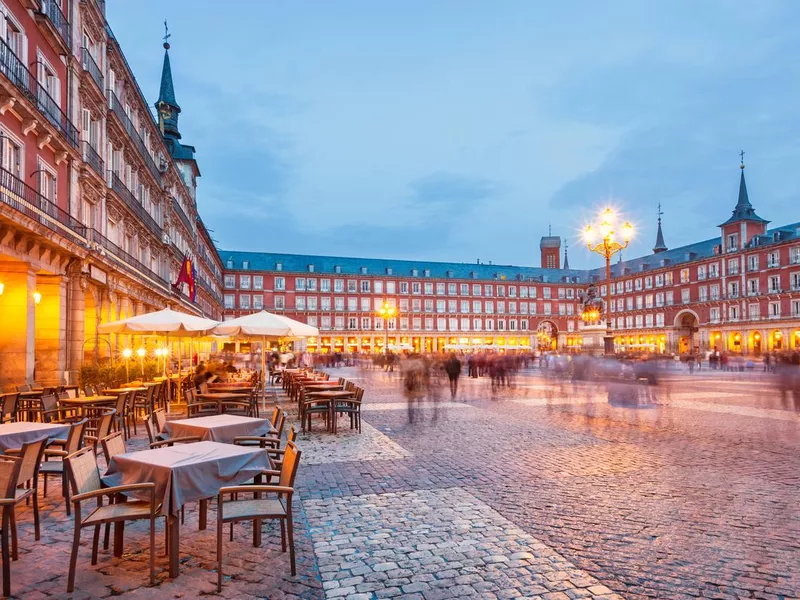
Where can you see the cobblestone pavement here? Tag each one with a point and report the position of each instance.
(538, 491)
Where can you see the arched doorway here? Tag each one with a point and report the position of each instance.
(687, 325)
(756, 342)
(547, 335)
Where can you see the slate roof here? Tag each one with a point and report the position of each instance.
(743, 211)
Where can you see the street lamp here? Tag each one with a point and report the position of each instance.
(603, 240)
(140, 352)
(386, 312)
(127, 353)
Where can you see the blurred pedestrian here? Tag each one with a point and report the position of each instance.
(452, 367)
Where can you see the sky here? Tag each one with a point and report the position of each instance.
(460, 130)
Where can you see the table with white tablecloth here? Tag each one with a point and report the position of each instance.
(218, 428)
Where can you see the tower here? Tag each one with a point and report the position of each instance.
(550, 248)
(566, 258)
(744, 224)
(660, 245)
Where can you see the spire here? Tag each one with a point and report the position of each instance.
(743, 211)
(566, 258)
(660, 245)
(166, 105)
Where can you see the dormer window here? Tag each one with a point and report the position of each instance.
(363, 270)
(310, 268)
(388, 270)
(414, 273)
(473, 274)
(449, 274)
(337, 269)
(427, 272)
(229, 263)
(245, 264)
(279, 266)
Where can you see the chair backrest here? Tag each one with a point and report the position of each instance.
(122, 398)
(49, 402)
(84, 476)
(30, 457)
(359, 394)
(151, 389)
(9, 405)
(189, 394)
(276, 413)
(9, 473)
(281, 424)
(104, 425)
(349, 385)
(203, 388)
(150, 428)
(75, 436)
(25, 387)
(291, 460)
(87, 390)
(112, 445)
(160, 418)
(292, 435)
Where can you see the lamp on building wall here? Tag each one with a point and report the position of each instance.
(126, 354)
(37, 297)
(386, 312)
(607, 246)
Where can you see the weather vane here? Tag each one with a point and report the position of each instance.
(741, 155)
(167, 35)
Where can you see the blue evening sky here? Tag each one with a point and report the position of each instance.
(457, 130)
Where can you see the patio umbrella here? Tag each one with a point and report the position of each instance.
(262, 326)
(162, 322)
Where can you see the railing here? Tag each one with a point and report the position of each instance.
(130, 262)
(116, 107)
(52, 11)
(15, 70)
(17, 194)
(121, 190)
(176, 207)
(178, 252)
(90, 66)
(208, 288)
(92, 158)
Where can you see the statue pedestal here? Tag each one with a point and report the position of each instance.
(593, 338)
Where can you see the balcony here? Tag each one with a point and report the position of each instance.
(16, 72)
(90, 66)
(92, 158)
(176, 208)
(132, 265)
(210, 289)
(127, 197)
(56, 20)
(118, 110)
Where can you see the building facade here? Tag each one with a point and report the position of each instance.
(97, 195)
(738, 292)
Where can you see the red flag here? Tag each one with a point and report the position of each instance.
(187, 276)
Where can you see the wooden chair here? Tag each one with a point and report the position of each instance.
(27, 486)
(261, 507)
(113, 444)
(234, 407)
(84, 478)
(119, 416)
(276, 454)
(56, 467)
(351, 407)
(9, 473)
(310, 406)
(268, 440)
(142, 404)
(99, 427)
(8, 410)
(194, 408)
(158, 442)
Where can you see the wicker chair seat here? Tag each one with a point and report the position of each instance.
(124, 511)
(267, 508)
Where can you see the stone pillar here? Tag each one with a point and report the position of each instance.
(51, 330)
(76, 314)
(18, 319)
(123, 341)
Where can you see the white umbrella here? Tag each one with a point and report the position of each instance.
(264, 325)
(166, 321)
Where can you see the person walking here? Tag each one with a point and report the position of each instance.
(452, 367)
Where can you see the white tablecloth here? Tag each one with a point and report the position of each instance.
(13, 435)
(218, 428)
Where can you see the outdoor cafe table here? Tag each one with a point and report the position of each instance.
(184, 473)
(13, 435)
(89, 401)
(329, 396)
(233, 389)
(122, 390)
(219, 398)
(218, 428)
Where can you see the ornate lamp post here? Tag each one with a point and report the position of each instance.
(386, 312)
(608, 246)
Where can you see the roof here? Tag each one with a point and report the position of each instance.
(550, 241)
(298, 263)
(743, 211)
(166, 93)
(660, 245)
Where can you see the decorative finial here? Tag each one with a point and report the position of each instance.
(741, 156)
(167, 35)
(549, 229)
(659, 213)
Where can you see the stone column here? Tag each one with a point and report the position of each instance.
(76, 307)
(18, 317)
(124, 303)
(51, 330)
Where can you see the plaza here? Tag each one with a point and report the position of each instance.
(541, 490)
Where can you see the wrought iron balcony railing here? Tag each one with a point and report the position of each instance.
(90, 66)
(16, 72)
(210, 289)
(93, 159)
(132, 264)
(116, 107)
(121, 190)
(176, 206)
(52, 11)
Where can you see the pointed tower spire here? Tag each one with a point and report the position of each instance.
(166, 105)
(566, 258)
(660, 245)
(743, 211)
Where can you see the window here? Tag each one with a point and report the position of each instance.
(403, 287)
(428, 306)
(451, 289)
(489, 324)
(440, 289)
(300, 284)
(326, 323)
(752, 287)
(476, 306)
(388, 270)
(714, 292)
(794, 255)
(754, 311)
(352, 286)
(477, 325)
(441, 324)
(416, 288)
(230, 282)
(512, 291)
(648, 320)
(391, 287)
(773, 259)
(752, 262)
(501, 324)
(713, 315)
(338, 323)
(570, 293)
(280, 302)
(378, 287)
(310, 268)
(452, 306)
(684, 275)
(628, 288)
(427, 272)
(311, 303)
(48, 185)
(258, 302)
(245, 264)
(685, 296)
(659, 319)
(796, 308)
(428, 288)
(300, 302)
(546, 308)
(416, 305)
(244, 282)
(546, 293)
(660, 280)
(440, 306)
(733, 289)
(501, 291)
(629, 303)
(648, 283)
(365, 305)
(280, 283)
(701, 273)
(702, 293)
(364, 287)
(258, 282)
(230, 301)
(312, 320)
(452, 324)
(338, 286)
(639, 302)
(523, 308)
(489, 306)
(403, 305)
(337, 269)
(311, 285)
(532, 308)
(774, 284)
(352, 303)
(501, 307)
(733, 266)
(476, 289)
(733, 313)
(668, 278)
(648, 301)
(523, 292)
(414, 273)
(363, 270)
(404, 323)
(713, 270)
(532, 292)
(352, 322)
(669, 298)
(795, 279)
(416, 323)
(464, 289)
(325, 303)
(338, 303)
(523, 324)
(733, 242)
(244, 301)
(637, 284)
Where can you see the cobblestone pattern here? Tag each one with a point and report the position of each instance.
(347, 445)
(435, 545)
